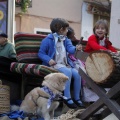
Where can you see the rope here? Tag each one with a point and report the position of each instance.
(70, 115)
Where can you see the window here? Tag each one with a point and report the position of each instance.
(98, 17)
(42, 31)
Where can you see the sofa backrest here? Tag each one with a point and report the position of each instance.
(27, 46)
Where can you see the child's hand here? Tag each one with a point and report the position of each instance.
(52, 62)
(79, 47)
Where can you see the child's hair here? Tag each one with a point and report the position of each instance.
(57, 24)
(103, 22)
(70, 32)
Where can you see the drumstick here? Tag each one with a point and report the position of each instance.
(80, 41)
(79, 44)
(81, 55)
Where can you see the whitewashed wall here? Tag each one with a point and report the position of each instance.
(115, 23)
(87, 23)
(43, 11)
(67, 9)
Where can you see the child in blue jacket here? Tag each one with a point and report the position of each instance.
(54, 51)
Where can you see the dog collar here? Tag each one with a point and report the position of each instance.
(52, 96)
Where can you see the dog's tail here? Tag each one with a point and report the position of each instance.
(14, 108)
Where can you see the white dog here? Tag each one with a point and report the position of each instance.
(42, 100)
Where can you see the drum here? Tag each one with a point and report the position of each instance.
(103, 67)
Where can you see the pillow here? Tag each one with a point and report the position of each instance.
(27, 47)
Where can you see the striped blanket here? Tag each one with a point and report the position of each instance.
(27, 46)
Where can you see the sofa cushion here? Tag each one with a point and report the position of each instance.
(27, 46)
(31, 69)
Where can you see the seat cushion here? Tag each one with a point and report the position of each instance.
(27, 46)
(31, 69)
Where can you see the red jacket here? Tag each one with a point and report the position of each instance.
(93, 44)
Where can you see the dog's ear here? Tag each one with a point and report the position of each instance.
(60, 76)
(64, 77)
(55, 76)
(47, 77)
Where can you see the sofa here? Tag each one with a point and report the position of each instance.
(28, 64)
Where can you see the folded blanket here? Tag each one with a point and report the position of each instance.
(16, 115)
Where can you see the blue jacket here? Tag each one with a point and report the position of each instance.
(47, 49)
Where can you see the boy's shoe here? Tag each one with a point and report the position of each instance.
(72, 105)
(79, 104)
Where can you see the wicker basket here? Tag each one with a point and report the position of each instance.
(0, 82)
(4, 98)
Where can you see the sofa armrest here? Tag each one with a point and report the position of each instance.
(31, 69)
